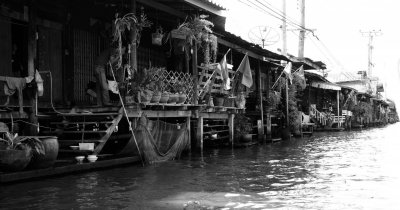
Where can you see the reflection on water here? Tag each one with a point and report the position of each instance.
(347, 170)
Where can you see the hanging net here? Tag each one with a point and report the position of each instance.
(160, 141)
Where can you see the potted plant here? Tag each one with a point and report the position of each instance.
(243, 128)
(156, 37)
(128, 22)
(140, 86)
(51, 147)
(198, 30)
(273, 100)
(180, 88)
(17, 152)
(240, 100)
(218, 99)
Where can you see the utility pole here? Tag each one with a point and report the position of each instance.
(370, 35)
(284, 30)
(302, 33)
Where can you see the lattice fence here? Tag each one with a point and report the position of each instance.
(173, 81)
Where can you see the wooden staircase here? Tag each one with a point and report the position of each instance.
(324, 119)
(74, 128)
(318, 116)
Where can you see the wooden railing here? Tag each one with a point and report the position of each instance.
(319, 116)
(324, 118)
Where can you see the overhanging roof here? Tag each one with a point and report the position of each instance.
(325, 85)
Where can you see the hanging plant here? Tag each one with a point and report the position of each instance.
(274, 99)
(213, 46)
(157, 36)
(128, 22)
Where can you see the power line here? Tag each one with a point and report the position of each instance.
(280, 13)
(265, 9)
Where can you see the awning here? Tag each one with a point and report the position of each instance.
(325, 85)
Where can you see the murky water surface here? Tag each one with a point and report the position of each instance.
(347, 170)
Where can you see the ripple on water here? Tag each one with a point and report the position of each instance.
(343, 170)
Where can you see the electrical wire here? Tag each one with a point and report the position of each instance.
(281, 15)
(272, 12)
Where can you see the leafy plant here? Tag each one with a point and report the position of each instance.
(362, 109)
(148, 78)
(199, 30)
(128, 22)
(242, 124)
(15, 142)
(273, 100)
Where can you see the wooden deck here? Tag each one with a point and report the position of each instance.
(65, 169)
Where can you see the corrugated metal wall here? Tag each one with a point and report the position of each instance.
(50, 59)
(86, 49)
(5, 46)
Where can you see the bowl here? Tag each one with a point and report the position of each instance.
(92, 158)
(74, 147)
(79, 159)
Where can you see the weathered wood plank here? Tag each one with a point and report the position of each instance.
(156, 114)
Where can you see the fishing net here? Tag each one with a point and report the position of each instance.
(161, 141)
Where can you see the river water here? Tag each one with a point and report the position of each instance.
(339, 170)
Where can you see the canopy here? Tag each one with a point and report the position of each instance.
(325, 85)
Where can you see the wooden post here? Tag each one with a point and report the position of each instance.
(195, 74)
(187, 58)
(287, 102)
(133, 40)
(338, 102)
(261, 131)
(268, 113)
(32, 53)
(231, 124)
(190, 134)
(32, 38)
(199, 133)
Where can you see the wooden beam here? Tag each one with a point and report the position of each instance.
(133, 46)
(268, 113)
(155, 114)
(231, 125)
(199, 133)
(162, 7)
(195, 74)
(32, 38)
(261, 131)
(212, 115)
(106, 137)
(189, 133)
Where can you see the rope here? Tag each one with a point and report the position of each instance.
(127, 118)
(51, 93)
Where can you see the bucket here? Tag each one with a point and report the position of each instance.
(86, 146)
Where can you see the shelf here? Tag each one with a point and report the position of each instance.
(64, 123)
(62, 132)
(214, 126)
(77, 141)
(218, 138)
(214, 132)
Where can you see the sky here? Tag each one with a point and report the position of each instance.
(338, 25)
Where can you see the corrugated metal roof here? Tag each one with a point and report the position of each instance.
(213, 3)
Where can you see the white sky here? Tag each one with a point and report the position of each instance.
(338, 24)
